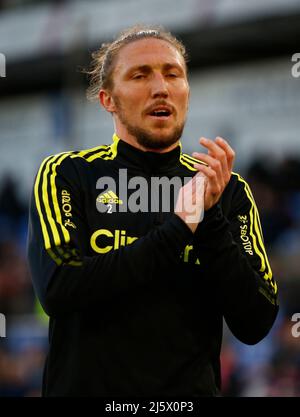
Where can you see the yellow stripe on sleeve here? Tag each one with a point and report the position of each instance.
(257, 251)
(257, 236)
(38, 204)
(57, 211)
(51, 166)
(45, 214)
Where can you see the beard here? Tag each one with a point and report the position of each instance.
(144, 137)
(151, 141)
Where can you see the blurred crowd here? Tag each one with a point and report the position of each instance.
(22, 351)
(270, 368)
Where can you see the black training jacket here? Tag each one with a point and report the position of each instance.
(136, 301)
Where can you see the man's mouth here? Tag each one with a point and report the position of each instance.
(161, 112)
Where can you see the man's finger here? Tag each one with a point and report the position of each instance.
(213, 181)
(217, 152)
(214, 164)
(230, 154)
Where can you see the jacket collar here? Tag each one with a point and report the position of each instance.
(148, 162)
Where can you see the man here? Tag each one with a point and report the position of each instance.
(136, 298)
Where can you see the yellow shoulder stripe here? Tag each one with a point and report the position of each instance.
(106, 152)
(187, 163)
(193, 160)
(54, 232)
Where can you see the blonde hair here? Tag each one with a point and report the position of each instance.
(103, 59)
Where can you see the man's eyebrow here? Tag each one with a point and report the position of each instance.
(142, 68)
(168, 66)
(147, 68)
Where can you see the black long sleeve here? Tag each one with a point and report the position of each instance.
(237, 261)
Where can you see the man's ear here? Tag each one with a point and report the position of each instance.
(107, 101)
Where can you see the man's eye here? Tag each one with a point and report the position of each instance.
(172, 75)
(138, 76)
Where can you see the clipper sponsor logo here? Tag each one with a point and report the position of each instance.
(188, 254)
(103, 241)
(246, 242)
(2, 325)
(67, 209)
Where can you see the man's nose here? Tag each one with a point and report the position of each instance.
(159, 86)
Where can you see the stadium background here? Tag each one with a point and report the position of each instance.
(242, 88)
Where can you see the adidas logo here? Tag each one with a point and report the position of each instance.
(109, 198)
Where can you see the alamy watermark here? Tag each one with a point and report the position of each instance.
(156, 194)
(2, 65)
(296, 326)
(296, 66)
(2, 325)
